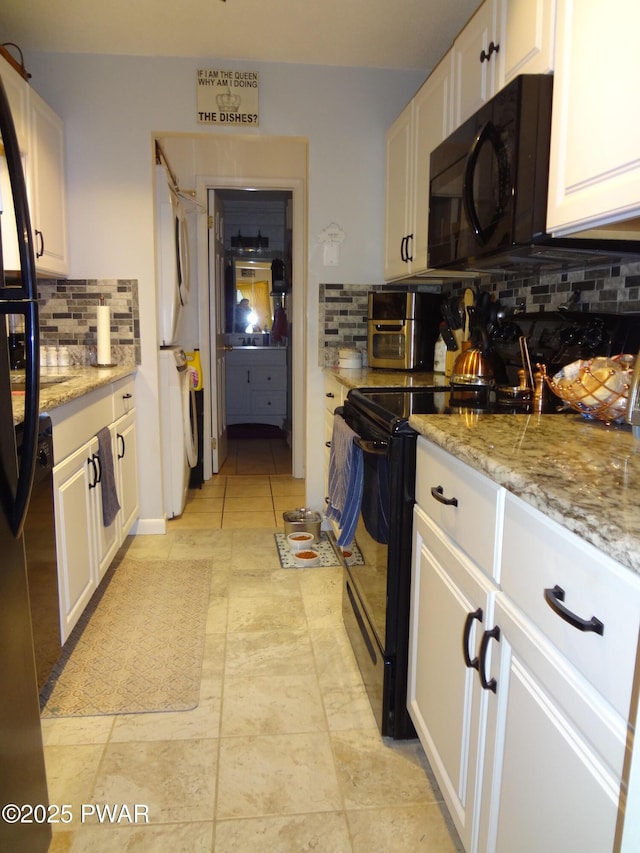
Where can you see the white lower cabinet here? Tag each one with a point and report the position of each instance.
(521, 679)
(85, 547)
(551, 741)
(73, 483)
(451, 604)
(334, 395)
(126, 460)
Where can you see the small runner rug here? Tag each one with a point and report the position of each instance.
(138, 646)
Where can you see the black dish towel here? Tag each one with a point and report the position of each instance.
(110, 503)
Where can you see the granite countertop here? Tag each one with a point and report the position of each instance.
(367, 377)
(74, 382)
(583, 474)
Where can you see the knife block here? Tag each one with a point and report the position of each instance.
(452, 354)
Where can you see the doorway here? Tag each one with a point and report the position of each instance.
(250, 280)
(287, 292)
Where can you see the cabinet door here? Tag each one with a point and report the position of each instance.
(547, 785)
(451, 601)
(107, 538)
(17, 89)
(433, 107)
(126, 456)
(74, 480)
(48, 196)
(238, 389)
(528, 41)
(397, 234)
(594, 171)
(477, 65)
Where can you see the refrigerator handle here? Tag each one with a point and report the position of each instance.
(27, 463)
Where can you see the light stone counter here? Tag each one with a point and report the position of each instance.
(582, 474)
(76, 382)
(367, 377)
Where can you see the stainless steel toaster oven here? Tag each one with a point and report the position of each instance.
(402, 328)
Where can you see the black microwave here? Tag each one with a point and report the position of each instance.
(488, 190)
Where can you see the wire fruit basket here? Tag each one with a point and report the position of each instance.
(596, 387)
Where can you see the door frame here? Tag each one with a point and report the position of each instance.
(297, 302)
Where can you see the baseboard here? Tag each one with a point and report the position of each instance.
(149, 526)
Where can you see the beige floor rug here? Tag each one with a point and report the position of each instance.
(138, 646)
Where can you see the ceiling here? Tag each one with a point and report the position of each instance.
(398, 34)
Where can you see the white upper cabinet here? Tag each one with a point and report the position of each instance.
(594, 172)
(529, 37)
(477, 61)
(398, 192)
(421, 126)
(47, 188)
(40, 135)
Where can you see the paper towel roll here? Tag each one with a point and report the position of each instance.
(104, 334)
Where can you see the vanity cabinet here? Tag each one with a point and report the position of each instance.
(41, 138)
(256, 385)
(85, 548)
(521, 703)
(594, 170)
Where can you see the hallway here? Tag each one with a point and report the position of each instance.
(282, 753)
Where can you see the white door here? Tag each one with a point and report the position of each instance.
(219, 447)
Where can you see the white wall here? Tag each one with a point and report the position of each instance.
(113, 105)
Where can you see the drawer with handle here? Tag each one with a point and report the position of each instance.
(465, 504)
(584, 602)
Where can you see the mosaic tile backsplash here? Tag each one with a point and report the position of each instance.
(343, 307)
(68, 317)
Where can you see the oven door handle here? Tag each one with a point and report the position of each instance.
(378, 448)
(391, 326)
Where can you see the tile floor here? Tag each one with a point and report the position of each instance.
(282, 753)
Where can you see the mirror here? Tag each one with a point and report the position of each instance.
(257, 240)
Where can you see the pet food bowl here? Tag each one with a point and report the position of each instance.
(306, 558)
(300, 540)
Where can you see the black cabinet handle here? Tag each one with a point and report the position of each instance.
(99, 467)
(437, 493)
(327, 444)
(122, 446)
(330, 395)
(127, 396)
(493, 48)
(40, 249)
(493, 634)
(554, 598)
(92, 461)
(408, 257)
(403, 254)
(470, 662)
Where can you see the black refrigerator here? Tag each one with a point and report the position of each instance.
(23, 782)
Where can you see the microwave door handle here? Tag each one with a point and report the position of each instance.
(487, 133)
